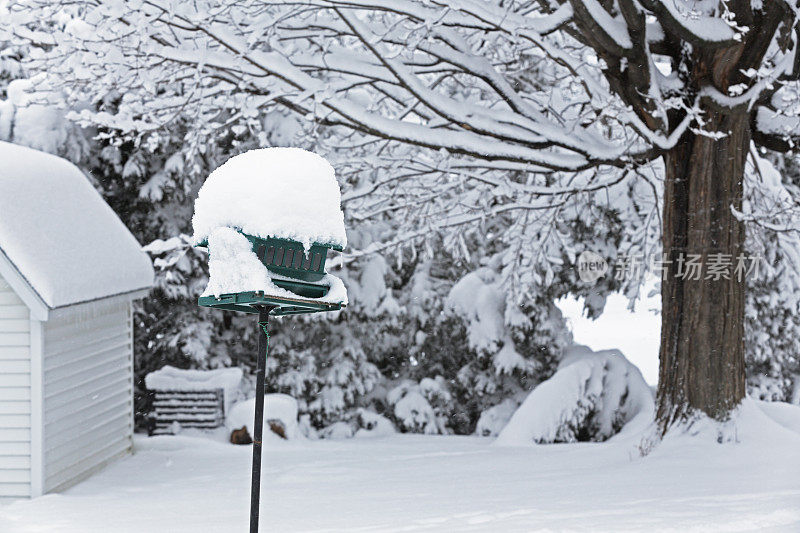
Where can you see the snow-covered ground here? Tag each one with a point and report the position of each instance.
(428, 483)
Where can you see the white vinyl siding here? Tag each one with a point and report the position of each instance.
(88, 397)
(15, 395)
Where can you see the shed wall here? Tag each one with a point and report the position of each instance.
(87, 384)
(15, 395)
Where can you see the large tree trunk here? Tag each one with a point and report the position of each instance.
(702, 345)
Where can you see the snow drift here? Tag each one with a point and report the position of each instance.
(187, 484)
(591, 397)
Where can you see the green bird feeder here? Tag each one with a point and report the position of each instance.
(269, 196)
(297, 271)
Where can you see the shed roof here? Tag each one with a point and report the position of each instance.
(60, 235)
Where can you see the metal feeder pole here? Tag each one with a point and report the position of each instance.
(258, 422)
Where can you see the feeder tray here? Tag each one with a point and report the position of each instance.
(250, 302)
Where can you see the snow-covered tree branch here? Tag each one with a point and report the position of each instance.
(447, 114)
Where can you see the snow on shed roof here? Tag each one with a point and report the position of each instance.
(288, 193)
(59, 233)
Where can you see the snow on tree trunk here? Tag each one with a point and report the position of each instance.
(702, 337)
(590, 398)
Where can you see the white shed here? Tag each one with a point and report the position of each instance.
(69, 271)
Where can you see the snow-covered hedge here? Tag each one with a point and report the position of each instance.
(365, 423)
(278, 408)
(421, 407)
(590, 398)
(495, 418)
(372, 424)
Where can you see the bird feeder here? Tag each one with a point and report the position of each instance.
(295, 270)
(271, 215)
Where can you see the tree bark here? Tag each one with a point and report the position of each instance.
(702, 345)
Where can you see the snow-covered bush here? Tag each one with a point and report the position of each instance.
(489, 348)
(371, 424)
(772, 305)
(359, 423)
(328, 381)
(337, 430)
(421, 407)
(280, 414)
(590, 398)
(495, 418)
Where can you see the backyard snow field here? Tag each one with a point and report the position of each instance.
(429, 483)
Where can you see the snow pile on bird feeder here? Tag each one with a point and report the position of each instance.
(283, 193)
(289, 193)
